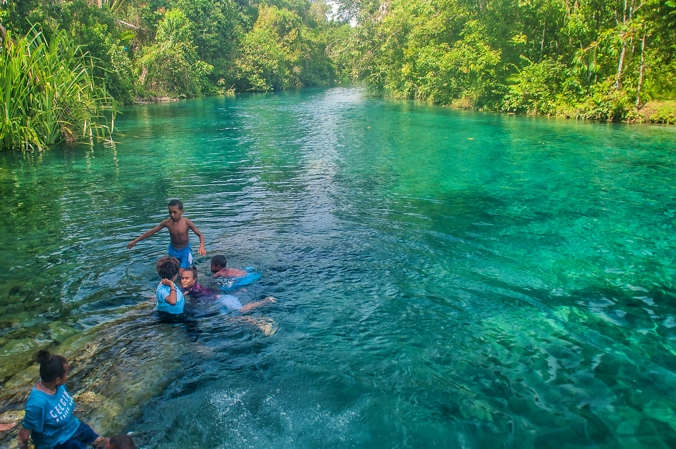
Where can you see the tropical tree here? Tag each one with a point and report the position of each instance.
(171, 65)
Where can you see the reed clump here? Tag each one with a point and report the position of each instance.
(49, 94)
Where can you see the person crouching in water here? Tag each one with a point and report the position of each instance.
(191, 288)
(49, 416)
(121, 441)
(169, 299)
(219, 269)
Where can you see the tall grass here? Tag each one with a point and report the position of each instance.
(49, 94)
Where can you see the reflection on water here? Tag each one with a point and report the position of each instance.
(444, 278)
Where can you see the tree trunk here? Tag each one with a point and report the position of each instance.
(640, 72)
(620, 64)
(542, 42)
(618, 80)
(3, 35)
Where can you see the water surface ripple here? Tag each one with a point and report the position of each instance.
(444, 278)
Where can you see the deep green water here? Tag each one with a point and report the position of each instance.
(444, 279)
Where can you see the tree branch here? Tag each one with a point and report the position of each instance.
(122, 22)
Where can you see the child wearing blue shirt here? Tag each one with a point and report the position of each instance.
(170, 302)
(169, 299)
(49, 411)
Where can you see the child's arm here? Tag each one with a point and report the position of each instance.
(101, 442)
(23, 436)
(201, 251)
(147, 234)
(172, 298)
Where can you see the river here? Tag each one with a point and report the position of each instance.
(443, 278)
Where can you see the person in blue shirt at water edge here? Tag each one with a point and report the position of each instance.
(178, 227)
(49, 416)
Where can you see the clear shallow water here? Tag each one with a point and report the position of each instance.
(445, 279)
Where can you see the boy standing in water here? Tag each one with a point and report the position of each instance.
(178, 232)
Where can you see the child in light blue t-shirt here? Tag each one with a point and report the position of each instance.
(170, 302)
(49, 411)
(169, 299)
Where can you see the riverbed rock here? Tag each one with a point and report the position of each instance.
(60, 331)
(11, 417)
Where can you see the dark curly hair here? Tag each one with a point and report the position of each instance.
(168, 267)
(51, 366)
(122, 441)
(219, 261)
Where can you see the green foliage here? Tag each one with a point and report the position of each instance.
(665, 114)
(605, 103)
(587, 59)
(218, 32)
(49, 93)
(280, 52)
(19, 16)
(271, 51)
(433, 51)
(184, 48)
(342, 49)
(170, 67)
(96, 30)
(534, 89)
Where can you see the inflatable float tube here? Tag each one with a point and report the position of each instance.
(230, 284)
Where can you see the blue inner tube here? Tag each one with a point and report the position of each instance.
(230, 284)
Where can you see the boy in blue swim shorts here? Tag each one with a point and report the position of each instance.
(178, 225)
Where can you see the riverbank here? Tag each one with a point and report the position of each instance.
(654, 111)
(659, 112)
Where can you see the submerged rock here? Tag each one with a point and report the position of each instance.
(115, 368)
(11, 417)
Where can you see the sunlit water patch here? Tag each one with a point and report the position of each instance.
(444, 279)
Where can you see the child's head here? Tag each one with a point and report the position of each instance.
(121, 441)
(175, 210)
(188, 278)
(53, 368)
(218, 263)
(167, 267)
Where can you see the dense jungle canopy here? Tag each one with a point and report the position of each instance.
(596, 59)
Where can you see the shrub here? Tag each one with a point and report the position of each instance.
(665, 114)
(534, 89)
(49, 93)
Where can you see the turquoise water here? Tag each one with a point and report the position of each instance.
(444, 278)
